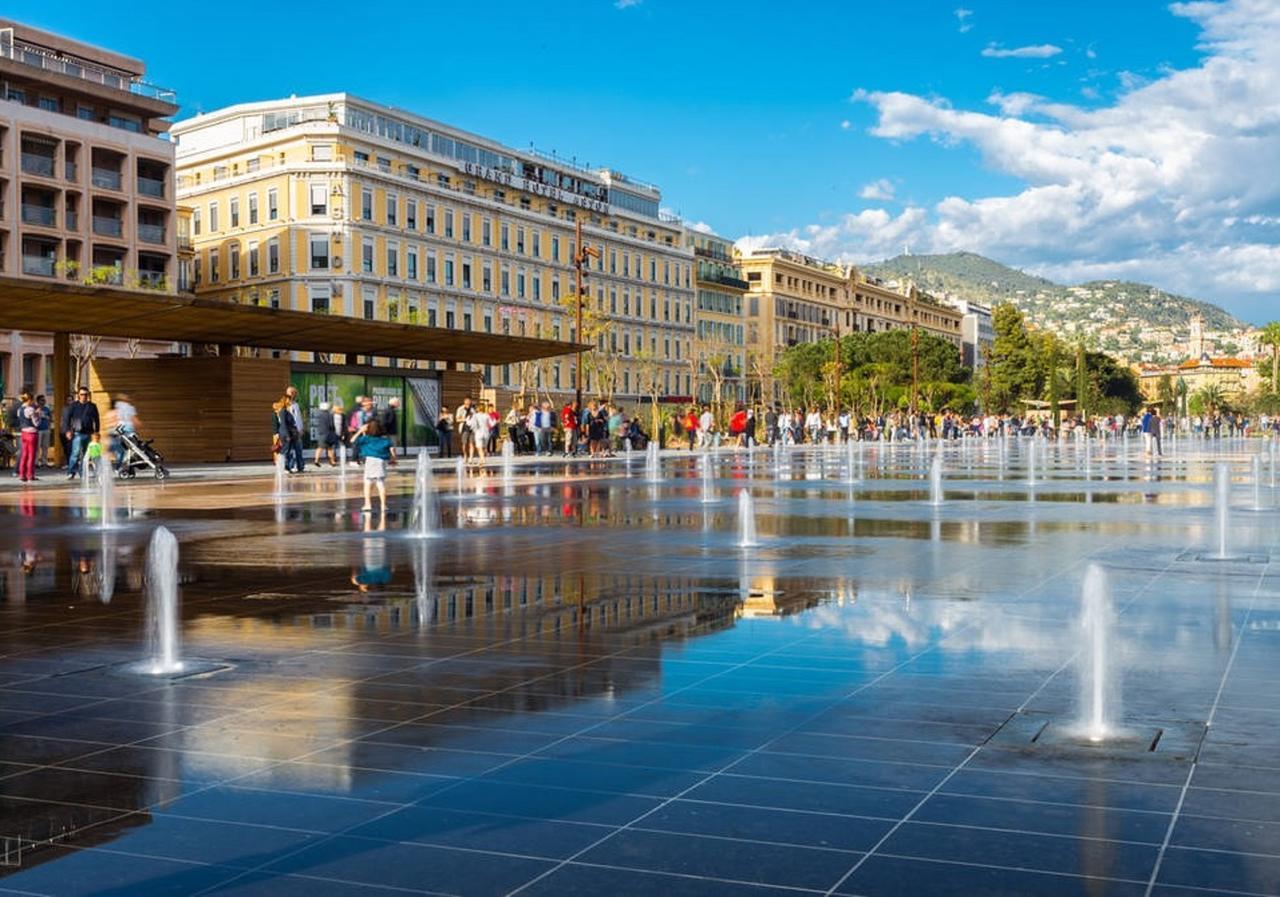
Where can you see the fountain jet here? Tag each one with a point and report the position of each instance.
(162, 605)
(935, 481)
(426, 515)
(1099, 698)
(746, 520)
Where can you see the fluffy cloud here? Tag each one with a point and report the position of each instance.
(879, 190)
(962, 16)
(1171, 183)
(1036, 51)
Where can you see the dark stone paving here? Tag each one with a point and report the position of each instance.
(585, 687)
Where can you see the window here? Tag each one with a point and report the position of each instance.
(466, 227)
(273, 257)
(520, 240)
(537, 244)
(537, 288)
(233, 256)
(366, 256)
(213, 217)
(448, 272)
(85, 113)
(273, 298)
(506, 282)
(393, 259)
(319, 198)
(320, 300)
(366, 205)
(505, 241)
(411, 264)
(486, 279)
(519, 284)
(466, 274)
(431, 219)
(486, 232)
(253, 208)
(319, 252)
(253, 260)
(273, 205)
(555, 289)
(195, 222)
(448, 222)
(235, 211)
(411, 214)
(431, 267)
(322, 152)
(213, 266)
(393, 205)
(555, 248)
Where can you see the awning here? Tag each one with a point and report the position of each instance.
(150, 315)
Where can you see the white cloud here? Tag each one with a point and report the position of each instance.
(846, 125)
(962, 16)
(1037, 51)
(626, 4)
(700, 226)
(1140, 188)
(879, 190)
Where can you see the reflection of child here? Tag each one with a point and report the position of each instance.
(377, 452)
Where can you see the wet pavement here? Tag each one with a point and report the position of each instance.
(583, 685)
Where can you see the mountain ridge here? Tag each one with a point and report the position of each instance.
(1095, 305)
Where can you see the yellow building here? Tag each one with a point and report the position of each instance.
(337, 205)
(791, 298)
(1236, 377)
(719, 346)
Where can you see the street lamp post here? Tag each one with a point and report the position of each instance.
(580, 255)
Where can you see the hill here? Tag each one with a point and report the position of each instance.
(1096, 308)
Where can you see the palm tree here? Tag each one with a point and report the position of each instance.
(1212, 396)
(1271, 337)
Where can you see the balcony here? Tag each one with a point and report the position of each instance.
(724, 280)
(44, 216)
(151, 187)
(71, 220)
(151, 233)
(106, 179)
(39, 265)
(185, 242)
(38, 57)
(153, 280)
(70, 170)
(107, 227)
(37, 164)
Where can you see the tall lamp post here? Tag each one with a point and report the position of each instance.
(580, 255)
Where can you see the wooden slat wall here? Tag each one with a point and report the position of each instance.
(199, 410)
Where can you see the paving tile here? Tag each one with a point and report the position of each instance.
(884, 876)
(591, 881)
(746, 861)
(506, 834)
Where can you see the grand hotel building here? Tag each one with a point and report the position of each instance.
(341, 206)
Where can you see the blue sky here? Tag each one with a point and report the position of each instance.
(784, 126)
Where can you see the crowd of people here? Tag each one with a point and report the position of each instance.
(29, 431)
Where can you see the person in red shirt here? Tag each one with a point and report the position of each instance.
(691, 427)
(569, 420)
(738, 425)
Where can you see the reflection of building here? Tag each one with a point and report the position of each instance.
(86, 182)
(335, 205)
(718, 340)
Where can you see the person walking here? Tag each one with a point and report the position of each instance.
(480, 425)
(126, 415)
(44, 432)
(294, 462)
(326, 437)
(80, 422)
(444, 433)
(29, 436)
(569, 421)
(542, 423)
(462, 427)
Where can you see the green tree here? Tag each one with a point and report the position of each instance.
(1016, 371)
(1271, 337)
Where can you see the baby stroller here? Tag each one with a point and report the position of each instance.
(136, 453)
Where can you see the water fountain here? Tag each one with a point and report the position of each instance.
(1222, 504)
(652, 468)
(106, 567)
(508, 460)
(280, 489)
(708, 482)
(426, 516)
(1031, 462)
(853, 462)
(746, 520)
(106, 496)
(460, 473)
(162, 605)
(424, 596)
(85, 485)
(1099, 702)
(1256, 471)
(935, 481)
